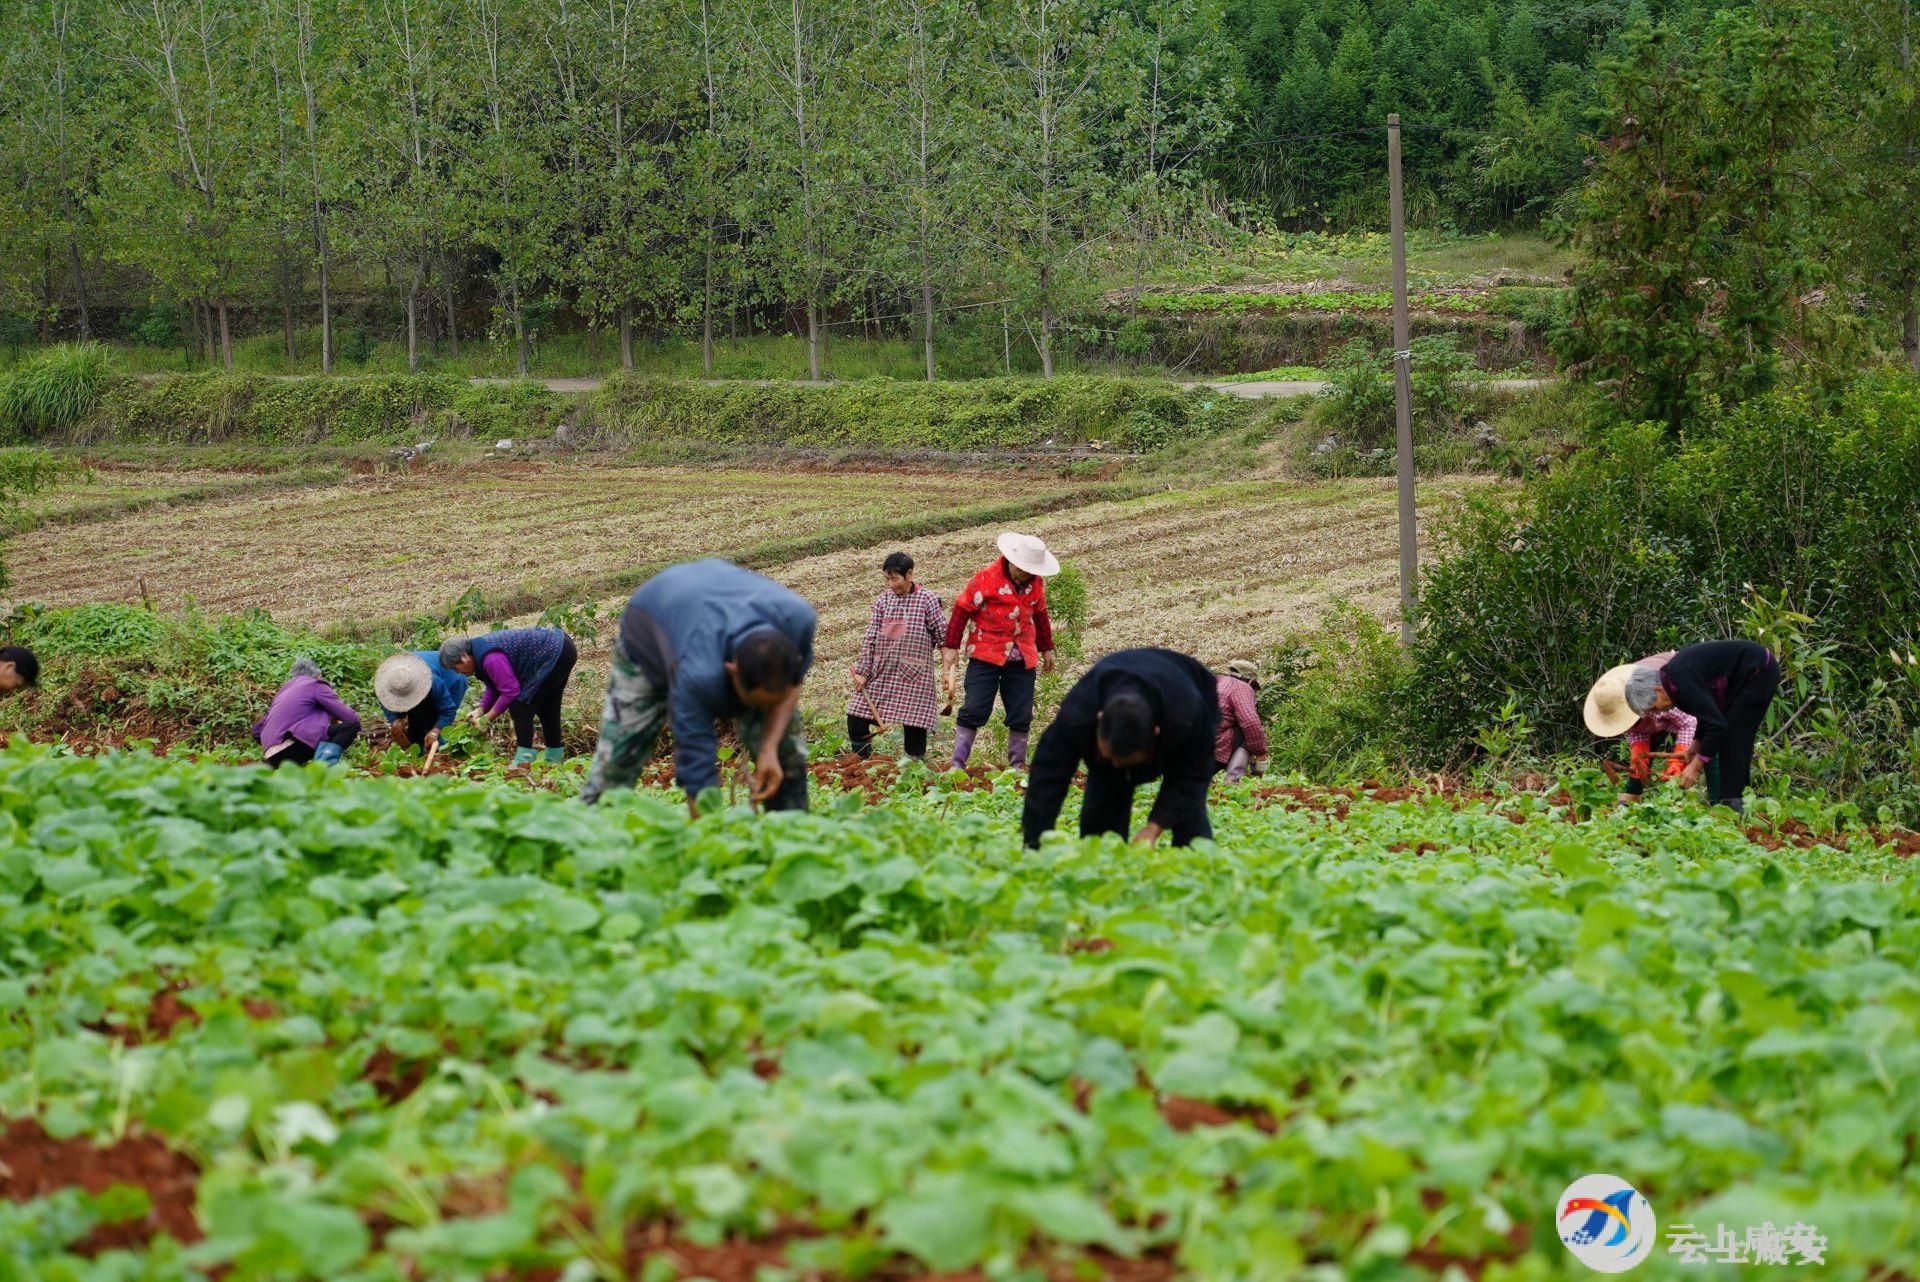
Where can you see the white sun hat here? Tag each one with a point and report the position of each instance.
(1608, 713)
(1029, 553)
(402, 682)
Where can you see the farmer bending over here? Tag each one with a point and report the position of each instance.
(1137, 715)
(699, 642)
(1607, 708)
(19, 667)
(420, 695)
(307, 720)
(1242, 742)
(525, 671)
(1727, 686)
(1006, 604)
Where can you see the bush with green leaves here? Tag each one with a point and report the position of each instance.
(53, 391)
(1360, 404)
(185, 677)
(393, 409)
(982, 414)
(1642, 543)
(1333, 702)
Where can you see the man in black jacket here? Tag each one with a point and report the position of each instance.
(1136, 715)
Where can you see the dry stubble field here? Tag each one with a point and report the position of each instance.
(378, 547)
(1220, 570)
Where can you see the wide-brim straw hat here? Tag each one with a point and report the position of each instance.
(1245, 669)
(1028, 552)
(402, 682)
(1608, 713)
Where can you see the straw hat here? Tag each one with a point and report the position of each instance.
(1245, 669)
(402, 682)
(1607, 712)
(1029, 553)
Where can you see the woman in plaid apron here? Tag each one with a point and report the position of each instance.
(893, 678)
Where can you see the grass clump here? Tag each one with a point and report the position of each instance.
(54, 390)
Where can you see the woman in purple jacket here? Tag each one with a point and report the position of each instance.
(307, 720)
(525, 672)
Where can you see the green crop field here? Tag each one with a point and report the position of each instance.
(313, 1025)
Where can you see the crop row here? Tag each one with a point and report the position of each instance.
(412, 1028)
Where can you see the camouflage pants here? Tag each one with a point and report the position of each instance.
(636, 712)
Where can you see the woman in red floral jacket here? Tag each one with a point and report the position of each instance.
(1006, 604)
(893, 678)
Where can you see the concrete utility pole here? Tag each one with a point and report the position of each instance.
(1402, 388)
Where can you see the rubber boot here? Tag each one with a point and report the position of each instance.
(524, 757)
(554, 756)
(963, 745)
(328, 753)
(1017, 749)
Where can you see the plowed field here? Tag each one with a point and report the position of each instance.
(378, 547)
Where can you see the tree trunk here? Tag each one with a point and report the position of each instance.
(813, 339)
(226, 337)
(706, 310)
(48, 309)
(453, 318)
(286, 304)
(1046, 326)
(80, 288)
(593, 339)
(203, 326)
(326, 292)
(523, 356)
(926, 306)
(626, 334)
(1910, 330)
(413, 326)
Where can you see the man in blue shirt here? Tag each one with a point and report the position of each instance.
(420, 696)
(699, 642)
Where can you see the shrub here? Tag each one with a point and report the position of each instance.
(1360, 404)
(1638, 545)
(381, 409)
(54, 390)
(996, 413)
(1333, 701)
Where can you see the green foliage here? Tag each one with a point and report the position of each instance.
(1360, 403)
(618, 1017)
(53, 391)
(1639, 545)
(1127, 414)
(1700, 229)
(1330, 301)
(119, 672)
(1067, 604)
(397, 409)
(1334, 704)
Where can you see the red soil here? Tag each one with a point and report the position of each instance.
(34, 1165)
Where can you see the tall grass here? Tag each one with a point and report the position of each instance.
(54, 390)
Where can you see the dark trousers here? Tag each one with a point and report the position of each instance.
(546, 704)
(298, 754)
(1109, 807)
(1011, 682)
(860, 731)
(422, 721)
(1746, 709)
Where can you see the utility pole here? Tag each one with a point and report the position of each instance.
(1402, 387)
